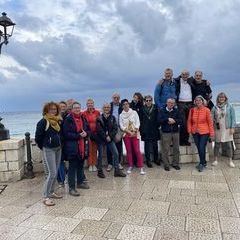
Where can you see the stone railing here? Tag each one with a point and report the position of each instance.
(12, 158)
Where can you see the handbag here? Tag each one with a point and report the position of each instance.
(119, 135)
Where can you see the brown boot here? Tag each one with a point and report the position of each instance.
(119, 173)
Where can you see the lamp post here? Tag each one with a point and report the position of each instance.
(6, 24)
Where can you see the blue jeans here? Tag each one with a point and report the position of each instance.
(201, 143)
(52, 158)
(109, 153)
(61, 173)
(111, 146)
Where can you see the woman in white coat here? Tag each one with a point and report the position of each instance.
(129, 123)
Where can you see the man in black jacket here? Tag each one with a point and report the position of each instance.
(107, 129)
(170, 119)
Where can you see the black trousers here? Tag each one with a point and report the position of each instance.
(148, 146)
(184, 108)
(75, 170)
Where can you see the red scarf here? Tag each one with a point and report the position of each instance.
(79, 125)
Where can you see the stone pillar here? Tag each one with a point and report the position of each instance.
(12, 157)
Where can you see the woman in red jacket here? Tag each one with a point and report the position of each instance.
(200, 125)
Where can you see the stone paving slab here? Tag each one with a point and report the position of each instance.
(175, 205)
(132, 232)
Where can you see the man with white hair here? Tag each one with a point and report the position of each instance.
(184, 91)
(170, 119)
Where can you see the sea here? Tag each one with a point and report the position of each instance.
(19, 123)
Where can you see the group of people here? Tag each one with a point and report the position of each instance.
(182, 106)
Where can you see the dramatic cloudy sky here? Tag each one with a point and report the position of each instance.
(90, 48)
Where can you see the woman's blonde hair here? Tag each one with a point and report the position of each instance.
(202, 98)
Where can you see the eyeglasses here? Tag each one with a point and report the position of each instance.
(148, 100)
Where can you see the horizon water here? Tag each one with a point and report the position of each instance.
(19, 123)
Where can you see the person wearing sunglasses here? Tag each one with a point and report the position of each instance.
(149, 130)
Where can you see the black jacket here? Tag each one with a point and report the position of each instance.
(163, 116)
(136, 107)
(48, 138)
(178, 86)
(149, 127)
(106, 127)
(202, 89)
(71, 137)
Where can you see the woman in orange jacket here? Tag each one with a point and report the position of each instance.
(91, 114)
(200, 125)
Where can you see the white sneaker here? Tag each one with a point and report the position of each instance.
(231, 164)
(109, 168)
(142, 171)
(120, 166)
(215, 163)
(129, 170)
(94, 169)
(90, 169)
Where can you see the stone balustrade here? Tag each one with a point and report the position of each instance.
(12, 158)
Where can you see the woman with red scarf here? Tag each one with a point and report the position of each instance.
(75, 134)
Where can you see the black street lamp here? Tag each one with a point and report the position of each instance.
(6, 23)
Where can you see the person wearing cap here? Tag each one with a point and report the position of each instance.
(200, 125)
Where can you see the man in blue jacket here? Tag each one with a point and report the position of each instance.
(165, 89)
(170, 119)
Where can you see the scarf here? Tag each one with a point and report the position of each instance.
(148, 111)
(221, 110)
(54, 121)
(79, 125)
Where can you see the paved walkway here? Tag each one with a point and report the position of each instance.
(161, 205)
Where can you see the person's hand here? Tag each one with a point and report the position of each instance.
(208, 83)
(108, 139)
(232, 131)
(171, 121)
(83, 134)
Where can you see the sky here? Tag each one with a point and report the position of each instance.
(91, 48)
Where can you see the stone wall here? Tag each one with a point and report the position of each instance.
(12, 158)
(236, 155)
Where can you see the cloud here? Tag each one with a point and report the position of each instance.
(92, 48)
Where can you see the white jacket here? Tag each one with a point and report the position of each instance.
(127, 119)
